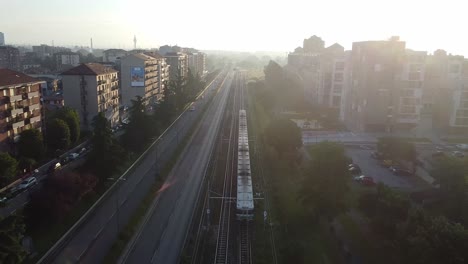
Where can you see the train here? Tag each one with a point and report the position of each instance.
(245, 203)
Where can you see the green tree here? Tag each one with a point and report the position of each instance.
(326, 181)
(426, 239)
(386, 209)
(398, 149)
(30, 144)
(8, 168)
(26, 164)
(452, 173)
(70, 116)
(165, 110)
(284, 135)
(58, 134)
(12, 231)
(106, 153)
(140, 128)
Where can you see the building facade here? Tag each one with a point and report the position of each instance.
(20, 106)
(92, 88)
(140, 77)
(2, 39)
(197, 63)
(113, 55)
(178, 65)
(66, 60)
(10, 58)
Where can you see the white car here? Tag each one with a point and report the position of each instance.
(28, 182)
(462, 146)
(73, 156)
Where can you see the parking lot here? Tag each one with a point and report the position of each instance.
(370, 167)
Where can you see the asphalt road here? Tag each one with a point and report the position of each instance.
(161, 238)
(94, 237)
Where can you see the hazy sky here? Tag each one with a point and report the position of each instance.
(235, 25)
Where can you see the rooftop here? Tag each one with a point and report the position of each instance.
(9, 77)
(89, 69)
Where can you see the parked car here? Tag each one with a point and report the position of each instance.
(377, 155)
(82, 150)
(54, 166)
(192, 108)
(386, 163)
(462, 146)
(354, 170)
(73, 156)
(400, 171)
(367, 181)
(27, 183)
(458, 154)
(438, 154)
(359, 178)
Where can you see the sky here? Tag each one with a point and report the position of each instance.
(243, 25)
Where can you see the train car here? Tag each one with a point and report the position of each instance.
(245, 204)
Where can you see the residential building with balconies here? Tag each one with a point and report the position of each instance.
(374, 86)
(178, 62)
(92, 88)
(197, 63)
(10, 58)
(20, 106)
(140, 77)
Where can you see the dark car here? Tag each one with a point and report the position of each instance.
(400, 171)
(377, 155)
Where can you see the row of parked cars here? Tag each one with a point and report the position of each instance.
(394, 167)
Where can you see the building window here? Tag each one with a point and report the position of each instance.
(336, 101)
(413, 76)
(339, 77)
(461, 121)
(408, 109)
(454, 68)
(407, 92)
(414, 84)
(337, 88)
(339, 65)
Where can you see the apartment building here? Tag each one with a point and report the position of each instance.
(376, 76)
(197, 63)
(43, 50)
(2, 39)
(20, 106)
(10, 58)
(140, 77)
(323, 73)
(163, 76)
(92, 88)
(178, 63)
(113, 55)
(66, 60)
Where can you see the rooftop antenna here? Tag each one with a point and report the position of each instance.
(134, 41)
(91, 45)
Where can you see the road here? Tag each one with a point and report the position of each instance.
(22, 198)
(161, 238)
(89, 240)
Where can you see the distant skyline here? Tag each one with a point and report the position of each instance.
(243, 25)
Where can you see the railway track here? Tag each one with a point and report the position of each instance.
(222, 253)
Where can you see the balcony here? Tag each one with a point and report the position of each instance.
(18, 124)
(34, 107)
(15, 98)
(35, 119)
(17, 111)
(33, 94)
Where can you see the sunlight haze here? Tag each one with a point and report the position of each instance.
(240, 25)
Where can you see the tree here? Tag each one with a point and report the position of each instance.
(166, 110)
(11, 233)
(70, 116)
(106, 153)
(425, 239)
(326, 181)
(140, 128)
(386, 209)
(283, 135)
(451, 173)
(398, 149)
(59, 195)
(58, 134)
(30, 144)
(26, 164)
(8, 168)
